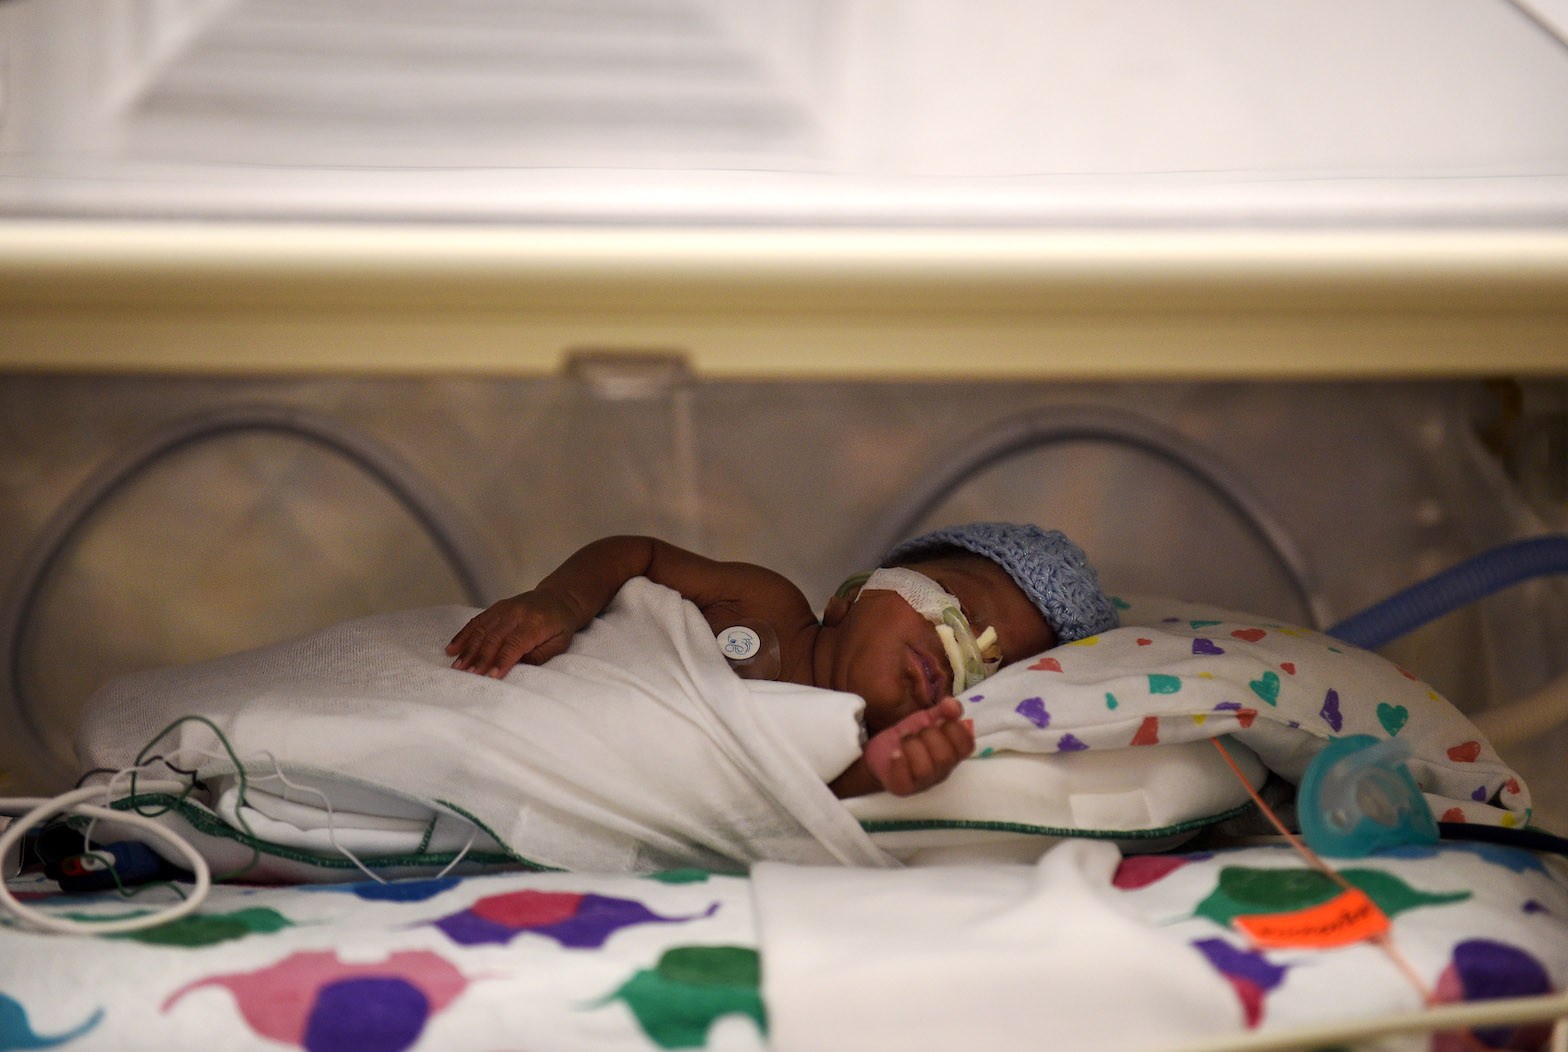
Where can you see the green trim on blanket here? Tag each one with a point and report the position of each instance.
(907, 825)
(204, 821)
(539, 867)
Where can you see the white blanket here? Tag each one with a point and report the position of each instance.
(637, 750)
(1031, 957)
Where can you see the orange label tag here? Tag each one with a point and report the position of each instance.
(1348, 917)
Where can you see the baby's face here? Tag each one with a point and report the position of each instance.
(892, 657)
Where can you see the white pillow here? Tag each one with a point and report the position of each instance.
(1012, 806)
(1183, 672)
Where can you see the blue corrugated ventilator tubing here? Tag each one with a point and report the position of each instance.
(1456, 587)
(1443, 593)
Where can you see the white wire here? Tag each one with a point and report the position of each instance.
(1448, 1017)
(326, 805)
(275, 775)
(131, 774)
(473, 834)
(32, 811)
(326, 802)
(262, 776)
(75, 802)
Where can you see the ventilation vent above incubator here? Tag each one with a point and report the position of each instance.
(1002, 111)
(470, 84)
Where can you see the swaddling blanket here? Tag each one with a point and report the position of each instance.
(638, 749)
(1030, 957)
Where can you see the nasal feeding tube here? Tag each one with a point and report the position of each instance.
(971, 657)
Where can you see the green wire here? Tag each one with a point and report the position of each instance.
(239, 770)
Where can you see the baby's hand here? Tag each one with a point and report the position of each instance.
(533, 627)
(921, 749)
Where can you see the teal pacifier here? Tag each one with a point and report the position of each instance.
(1358, 797)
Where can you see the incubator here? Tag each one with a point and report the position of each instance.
(319, 315)
(305, 316)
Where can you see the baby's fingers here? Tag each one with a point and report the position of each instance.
(960, 734)
(460, 641)
(949, 708)
(935, 752)
(912, 766)
(482, 651)
(463, 648)
(924, 753)
(895, 776)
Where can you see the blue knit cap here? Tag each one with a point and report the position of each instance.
(1053, 571)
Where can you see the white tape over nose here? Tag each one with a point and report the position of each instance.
(966, 655)
(927, 597)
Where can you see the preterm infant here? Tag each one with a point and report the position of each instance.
(943, 611)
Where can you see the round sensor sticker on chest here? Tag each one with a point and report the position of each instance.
(752, 649)
(739, 642)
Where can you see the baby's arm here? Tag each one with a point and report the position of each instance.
(911, 756)
(537, 625)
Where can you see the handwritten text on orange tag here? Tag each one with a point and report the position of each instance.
(1348, 917)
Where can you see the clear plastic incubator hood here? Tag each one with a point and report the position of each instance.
(313, 309)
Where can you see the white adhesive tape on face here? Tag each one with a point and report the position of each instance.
(940, 607)
(927, 597)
